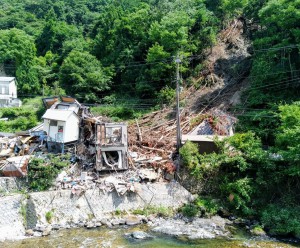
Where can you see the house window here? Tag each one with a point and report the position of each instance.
(53, 123)
(62, 106)
(113, 135)
(4, 90)
(60, 129)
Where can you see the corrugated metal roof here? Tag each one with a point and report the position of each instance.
(58, 114)
(6, 79)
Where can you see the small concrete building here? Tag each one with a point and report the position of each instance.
(8, 92)
(61, 121)
(216, 125)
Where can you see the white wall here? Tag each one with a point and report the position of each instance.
(71, 129)
(10, 89)
(46, 126)
(52, 130)
(13, 89)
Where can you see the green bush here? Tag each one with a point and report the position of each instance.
(42, 172)
(166, 95)
(282, 220)
(117, 112)
(239, 194)
(190, 210)
(209, 205)
(190, 155)
(49, 216)
(159, 210)
(22, 118)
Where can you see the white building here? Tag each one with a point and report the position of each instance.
(8, 92)
(61, 122)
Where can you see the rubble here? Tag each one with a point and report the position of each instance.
(143, 150)
(16, 166)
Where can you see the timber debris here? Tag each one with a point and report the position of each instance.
(105, 155)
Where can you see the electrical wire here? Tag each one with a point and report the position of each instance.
(278, 83)
(277, 48)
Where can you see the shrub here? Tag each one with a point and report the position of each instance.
(209, 205)
(116, 112)
(282, 220)
(190, 210)
(49, 216)
(239, 194)
(42, 172)
(190, 155)
(159, 210)
(166, 95)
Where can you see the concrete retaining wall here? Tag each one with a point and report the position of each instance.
(11, 217)
(11, 184)
(66, 208)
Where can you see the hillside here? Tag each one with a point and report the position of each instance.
(240, 57)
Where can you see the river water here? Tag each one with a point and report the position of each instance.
(115, 238)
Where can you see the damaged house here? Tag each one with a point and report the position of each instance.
(215, 124)
(61, 122)
(103, 144)
(98, 143)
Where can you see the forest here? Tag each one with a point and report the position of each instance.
(108, 51)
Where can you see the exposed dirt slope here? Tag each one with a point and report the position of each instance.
(225, 72)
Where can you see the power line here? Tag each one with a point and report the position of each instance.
(272, 85)
(277, 48)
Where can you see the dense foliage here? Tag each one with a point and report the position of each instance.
(252, 181)
(23, 118)
(94, 48)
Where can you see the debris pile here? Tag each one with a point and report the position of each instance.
(127, 181)
(16, 151)
(215, 122)
(152, 140)
(144, 150)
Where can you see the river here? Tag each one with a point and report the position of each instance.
(115, 238)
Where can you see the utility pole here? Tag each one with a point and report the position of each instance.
(178, 61)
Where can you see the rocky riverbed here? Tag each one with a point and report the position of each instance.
(124, 236)
(198, 228)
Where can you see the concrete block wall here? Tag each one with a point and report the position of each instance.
(67, 208)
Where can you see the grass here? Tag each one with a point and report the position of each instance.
(23, 212)
(49, 216)
(159, 210)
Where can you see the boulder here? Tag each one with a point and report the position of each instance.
(90, 225)
(56, 227)
(132, 220)
(258, 231)
(141, 235)
(29, 232)
(47, 231)
(105, 222)
(98, 224)
(115, 222)
(199, 228)
(39, 228)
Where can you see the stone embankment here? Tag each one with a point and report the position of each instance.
(39, 213)
(198, 228)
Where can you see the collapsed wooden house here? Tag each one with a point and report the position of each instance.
(99, 144)
(215, 125)
(103, 144)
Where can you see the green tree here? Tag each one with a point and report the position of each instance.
(83, 76)
(54, 34)
(17, 53)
